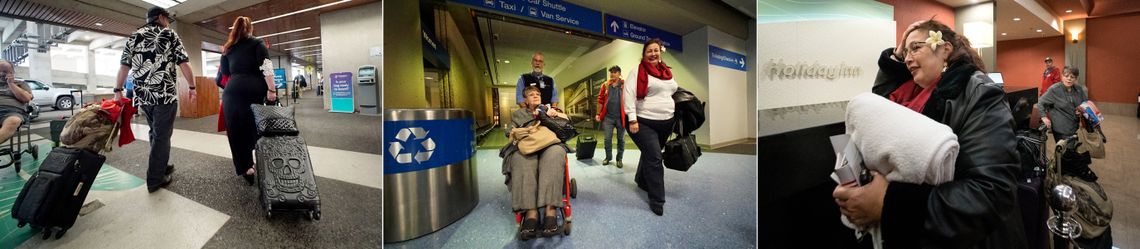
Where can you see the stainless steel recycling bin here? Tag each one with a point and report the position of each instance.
(429, 171)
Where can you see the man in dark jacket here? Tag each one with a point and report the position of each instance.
(978, 208)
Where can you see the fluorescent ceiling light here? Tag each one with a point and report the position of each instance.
(1068, 11)
(309, 46)
(286, 32)
(165, 4)
(301, 11)
(306, 51)
(301, 40)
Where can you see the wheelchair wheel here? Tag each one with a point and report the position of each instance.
(573, 188)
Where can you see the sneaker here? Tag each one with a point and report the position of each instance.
(165, 182)
(606, 162)
(619, 164)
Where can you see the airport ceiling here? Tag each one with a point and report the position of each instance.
(515, 44)
(122, 17)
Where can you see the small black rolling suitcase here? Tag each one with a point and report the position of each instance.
(1030, 194)
(285, 175)
(51, 199)
(586, 146)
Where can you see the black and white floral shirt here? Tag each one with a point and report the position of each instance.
(153, 52)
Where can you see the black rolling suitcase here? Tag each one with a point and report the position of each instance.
(285, 175)
(586, 146)
(1031, 185)
(51, 199)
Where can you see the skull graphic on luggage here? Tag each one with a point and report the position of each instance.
(289, 169)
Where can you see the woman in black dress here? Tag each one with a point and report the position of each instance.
(242, 59)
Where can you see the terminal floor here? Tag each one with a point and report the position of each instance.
(208, 206)
(713, 205)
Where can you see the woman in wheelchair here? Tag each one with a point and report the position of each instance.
(535, 180)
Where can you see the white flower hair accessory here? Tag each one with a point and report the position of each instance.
(935, 39)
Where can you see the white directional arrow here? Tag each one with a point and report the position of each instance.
(741, 62)
(614, 26)
(403, 135)
(395, 148)
(419, 132)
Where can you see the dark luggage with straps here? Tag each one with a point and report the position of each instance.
(51, 199)
(285, 175)
(586, 146)
(1030, 186)
(284, 170)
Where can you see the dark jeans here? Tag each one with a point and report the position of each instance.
(651, 168)
(608, 125)
(161, 121)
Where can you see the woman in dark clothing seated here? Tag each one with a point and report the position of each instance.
(935, 72)
(535, 180)
(243, 57)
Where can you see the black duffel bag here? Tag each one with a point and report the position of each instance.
(562, 128)
(682, 151)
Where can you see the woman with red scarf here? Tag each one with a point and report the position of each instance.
(652, 109)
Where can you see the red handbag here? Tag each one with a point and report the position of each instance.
(221, 115)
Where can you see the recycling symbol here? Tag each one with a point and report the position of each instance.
(411, 136)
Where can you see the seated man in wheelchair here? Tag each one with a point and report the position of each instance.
(534, 166)
(14, 98)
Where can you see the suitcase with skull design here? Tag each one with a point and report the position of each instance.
(285, 176)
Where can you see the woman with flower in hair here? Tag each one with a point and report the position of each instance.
(936, 72)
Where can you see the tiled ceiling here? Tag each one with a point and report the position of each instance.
(1025, 27)
(37, 12)
(516, 43)
(271, 8)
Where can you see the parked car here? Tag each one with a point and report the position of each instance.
(46, 95)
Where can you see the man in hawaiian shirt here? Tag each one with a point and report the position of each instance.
(150, 57)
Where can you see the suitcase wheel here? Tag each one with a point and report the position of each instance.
(566, 228)
(573, 188)
(47, 234)
(268, 214)
(60, 234)
(314, 214)
(21, 224)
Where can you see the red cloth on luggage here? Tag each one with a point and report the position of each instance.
(126, 136)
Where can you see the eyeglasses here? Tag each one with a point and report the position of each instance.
(914, 48)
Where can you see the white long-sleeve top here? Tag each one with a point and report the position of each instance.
(658, 102)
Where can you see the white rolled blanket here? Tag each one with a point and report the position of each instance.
(900, 143)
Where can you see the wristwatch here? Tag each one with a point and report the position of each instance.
(192, 88)
(118, 89)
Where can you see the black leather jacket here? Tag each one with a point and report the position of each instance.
(979, 208)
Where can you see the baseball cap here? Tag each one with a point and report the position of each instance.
(154, 12)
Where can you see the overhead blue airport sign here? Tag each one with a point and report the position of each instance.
(725, 58)
(551, 11)
(621, 28)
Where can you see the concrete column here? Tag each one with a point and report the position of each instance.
(192, 42)
(39, 64)
(92, 79)
(1075, 53)
(403, 81)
